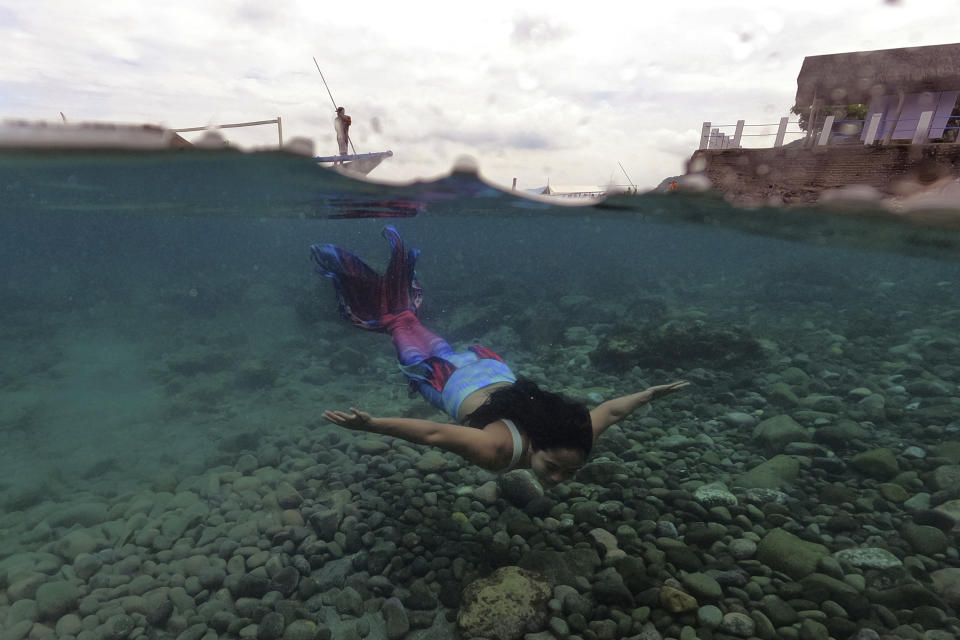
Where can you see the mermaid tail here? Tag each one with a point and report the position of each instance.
(366, 298)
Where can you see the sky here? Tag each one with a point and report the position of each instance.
(560, 91)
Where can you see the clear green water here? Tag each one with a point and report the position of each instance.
(161, 316)
(115, 263)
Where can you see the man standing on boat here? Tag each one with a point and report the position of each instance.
(342, 124)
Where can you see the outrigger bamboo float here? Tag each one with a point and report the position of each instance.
(356, 163)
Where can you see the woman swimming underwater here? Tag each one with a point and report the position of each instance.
(516, 424)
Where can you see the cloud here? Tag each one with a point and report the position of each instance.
(537, 31)
(544, 88)
(8, 18)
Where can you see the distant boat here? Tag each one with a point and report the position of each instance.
(356, 164)
(572, 192)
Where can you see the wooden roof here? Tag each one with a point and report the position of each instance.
(856, 77)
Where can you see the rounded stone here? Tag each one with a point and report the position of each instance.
(925, 539)
(876, 463)
(55, 599)
(810, 629)
(709, 616)
(676, 601)
(700, 585)
(714, 494)
(349, 601)
(868, 558)
(504, 604)
(742, 548)
(117, 627)
(271, 627)
(301, 630)
(738, 624)
(22, 610)
(395, 618)
(69, 625)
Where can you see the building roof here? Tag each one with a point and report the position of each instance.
(859, 76)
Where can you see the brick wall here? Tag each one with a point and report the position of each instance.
(796, 175)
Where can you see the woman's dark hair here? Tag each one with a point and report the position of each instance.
(550, 420)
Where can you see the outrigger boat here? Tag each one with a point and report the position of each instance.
(356, 163)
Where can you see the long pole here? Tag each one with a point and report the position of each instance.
(625, 173)
(332, 100)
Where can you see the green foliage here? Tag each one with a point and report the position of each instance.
(839, 111)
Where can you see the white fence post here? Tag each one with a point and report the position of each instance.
(705, 136)
(872, 128)
(737, 135)
(827, 130)
(781, 132)
(923, 128)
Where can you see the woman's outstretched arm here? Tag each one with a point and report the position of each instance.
(475, 445)
(613, 411)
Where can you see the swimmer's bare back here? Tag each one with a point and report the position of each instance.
(473, 401)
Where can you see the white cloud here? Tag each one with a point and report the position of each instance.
(558, 89)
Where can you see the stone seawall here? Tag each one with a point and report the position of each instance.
(800, 176)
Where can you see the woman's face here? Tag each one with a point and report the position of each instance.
(553, 466)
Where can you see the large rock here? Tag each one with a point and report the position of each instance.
(779, 471)
(562, 567)
(937, 414)
(876, 463)
(868, 558)
(608, 588)
(924, 539)
(520, 487)
(777, 432)
(702, 586)
(819, 587)
(949, 510)
(680, 343)
(395, 616)
(55, 599)
(949, 450)
(946, 582)
(371, 446)
(431, 462)
(77, 542)
(841, 435)
(714, 494)
(946, 476)
(505, 605)
(601, 472)
(676, 601)
(783, 551)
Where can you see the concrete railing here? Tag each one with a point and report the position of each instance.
(714, 137)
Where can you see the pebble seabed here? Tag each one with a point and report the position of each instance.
(809, 491)
(334, 535)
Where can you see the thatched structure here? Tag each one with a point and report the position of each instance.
(858, 77)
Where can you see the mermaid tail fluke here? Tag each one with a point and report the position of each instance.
(365, 297)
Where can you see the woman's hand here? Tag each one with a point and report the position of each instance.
(612, 411)
(356, 419)
(665, 389)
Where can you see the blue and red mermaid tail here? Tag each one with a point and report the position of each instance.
(366, 298)
(390, 303)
